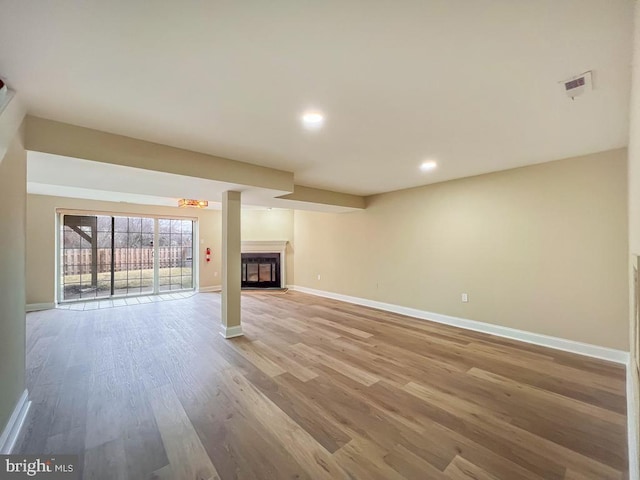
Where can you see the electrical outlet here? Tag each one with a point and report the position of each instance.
(215, 274)
(465, 297)
(318, 276)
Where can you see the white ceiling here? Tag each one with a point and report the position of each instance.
(471, 83)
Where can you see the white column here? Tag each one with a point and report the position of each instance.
(633, 381)
(231, 265)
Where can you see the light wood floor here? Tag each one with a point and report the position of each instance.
(316, 389)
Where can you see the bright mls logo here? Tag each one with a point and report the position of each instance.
(54, 467)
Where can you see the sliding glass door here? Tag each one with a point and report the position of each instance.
(104, 256)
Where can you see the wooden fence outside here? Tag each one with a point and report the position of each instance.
(78, 261)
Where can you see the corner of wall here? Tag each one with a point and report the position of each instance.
(12, 258)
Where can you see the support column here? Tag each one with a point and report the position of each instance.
(231, 265)
(633, 367)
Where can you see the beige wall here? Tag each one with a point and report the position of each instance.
(540, 248)
(274, 224)
(12, 265)
(41, 216)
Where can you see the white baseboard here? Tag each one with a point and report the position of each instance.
(610, 354)
(231, 332)
(214, 288)
(34, 307)
(632, 424)
(14, 426)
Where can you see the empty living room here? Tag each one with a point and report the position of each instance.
(320, 240)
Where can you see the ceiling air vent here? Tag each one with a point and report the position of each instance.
(576, 86)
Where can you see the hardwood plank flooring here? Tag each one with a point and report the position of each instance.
(187, 456)
(316, 389)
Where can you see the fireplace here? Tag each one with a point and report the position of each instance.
(261, 270)
(263, 264)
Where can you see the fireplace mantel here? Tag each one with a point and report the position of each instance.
(269, 246)
(264, 246)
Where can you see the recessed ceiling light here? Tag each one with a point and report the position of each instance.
(428, 165)
(312, 120)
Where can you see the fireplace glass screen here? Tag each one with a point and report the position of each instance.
(260, 270)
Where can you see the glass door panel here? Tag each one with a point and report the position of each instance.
(175, 252)
(134, 256)
(265, 272)
(252, 272)
(80, 268)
